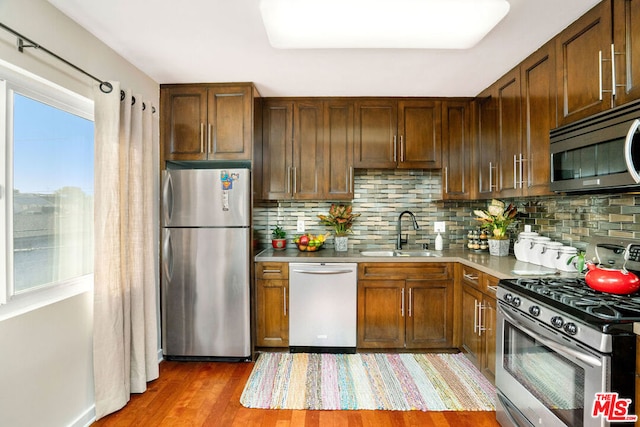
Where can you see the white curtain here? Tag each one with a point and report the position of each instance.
(125, 339)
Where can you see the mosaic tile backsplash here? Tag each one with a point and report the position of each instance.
(381, 195)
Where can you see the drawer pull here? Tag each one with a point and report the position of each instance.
(265, 271)
(471, 277)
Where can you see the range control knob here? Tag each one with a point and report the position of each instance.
(534, 310)
(557, 321)
(516, 302)
(508, 298)
(571, 328)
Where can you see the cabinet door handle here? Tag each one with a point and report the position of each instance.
(481, 316)
(446, 179)
(295, 180)
(202, 137)
(401, 149)
(209, 137)
(410, 301)
(395, 149)
(600, 75)
(515, 172)
(402, 303)
(289, 180)
(284, 303)
(475, 316)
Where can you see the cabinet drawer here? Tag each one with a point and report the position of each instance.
(490, 285)
(272, 270)
(391, 270)
(472, 277)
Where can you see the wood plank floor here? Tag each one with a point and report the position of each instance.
(208, 394)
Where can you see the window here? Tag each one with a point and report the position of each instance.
(47, 193)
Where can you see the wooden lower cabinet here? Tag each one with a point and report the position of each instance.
(272, 304)
(478, 319)
(402, 305)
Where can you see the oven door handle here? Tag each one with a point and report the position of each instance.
(590, 360)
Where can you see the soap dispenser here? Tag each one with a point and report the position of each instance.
(438, 242)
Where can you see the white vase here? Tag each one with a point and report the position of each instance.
(499, 247)
(341, 243)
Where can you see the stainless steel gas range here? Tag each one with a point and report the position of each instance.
(566, 354)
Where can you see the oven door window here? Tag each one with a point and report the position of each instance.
(555, 381)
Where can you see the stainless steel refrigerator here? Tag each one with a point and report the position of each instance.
(205, 263)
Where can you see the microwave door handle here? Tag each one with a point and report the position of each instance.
(627, 150)
(589, 360)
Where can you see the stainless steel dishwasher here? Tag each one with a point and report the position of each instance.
(323, 307)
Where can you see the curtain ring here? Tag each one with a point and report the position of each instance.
(121, 95)
(133, 100)
(106, 87)
(144, 106)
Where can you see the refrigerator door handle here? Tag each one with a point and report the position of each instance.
(167, 255)
(167, 197)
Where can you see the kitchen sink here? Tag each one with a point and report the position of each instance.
(378, 253)
(399, 253)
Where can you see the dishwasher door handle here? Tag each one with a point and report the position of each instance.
(323, 271)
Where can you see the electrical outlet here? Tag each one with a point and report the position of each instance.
(438, 226)
(300, 227)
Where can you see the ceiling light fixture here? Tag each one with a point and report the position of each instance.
(399, 24)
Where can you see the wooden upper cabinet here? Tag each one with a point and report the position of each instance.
(207, 121)
(308, 147)
(485, 162)
(539, 114)
(184, 114)
(293, 140)
(277, 158)
(457, 150)
(392, 133)
(626, 39)
(230, 123)
(376, 124)
(338, 149)
(582, 89)
(419, 130)
(509, 134)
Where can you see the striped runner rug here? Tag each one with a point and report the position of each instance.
(397, 382)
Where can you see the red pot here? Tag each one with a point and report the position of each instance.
(611, 280)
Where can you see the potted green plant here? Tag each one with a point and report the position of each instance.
(341, 218)
(496, 220)
(278, 238)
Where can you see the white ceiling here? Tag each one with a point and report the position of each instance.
(224, 41)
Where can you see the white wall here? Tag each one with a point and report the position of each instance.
(46, 374)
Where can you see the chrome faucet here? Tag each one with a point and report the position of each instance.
(400, 240)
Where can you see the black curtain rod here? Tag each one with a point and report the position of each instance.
(105, 87)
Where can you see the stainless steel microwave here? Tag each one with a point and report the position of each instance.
(598, 153)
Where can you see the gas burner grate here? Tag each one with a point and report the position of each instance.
(574, 292)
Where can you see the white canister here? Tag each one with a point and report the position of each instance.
(537, 245)
(550, 253)
(522, 246)
(564, 254)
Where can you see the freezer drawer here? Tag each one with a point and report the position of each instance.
(205, 292)
(322, 305)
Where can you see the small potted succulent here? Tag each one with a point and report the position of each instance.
(278, 238)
